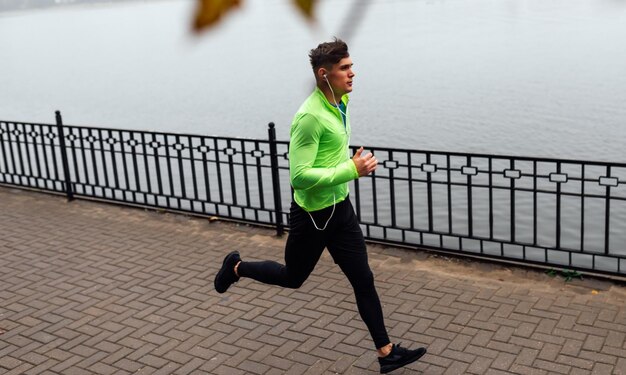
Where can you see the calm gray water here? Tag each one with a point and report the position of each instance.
(522, 77)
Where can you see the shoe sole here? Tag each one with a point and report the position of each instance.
(390, 368)
(222, 270)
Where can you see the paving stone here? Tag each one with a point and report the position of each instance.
(552, 366)
(525, 370)
(602, 368)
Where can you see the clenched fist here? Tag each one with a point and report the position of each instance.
(365, 164)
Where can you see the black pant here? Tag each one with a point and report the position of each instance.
(344, 239)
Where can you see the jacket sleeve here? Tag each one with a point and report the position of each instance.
(303, 147)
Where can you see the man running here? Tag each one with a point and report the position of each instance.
(321, 214)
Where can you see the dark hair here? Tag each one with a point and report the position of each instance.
(328, 53)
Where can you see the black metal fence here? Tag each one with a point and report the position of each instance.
(563, 213)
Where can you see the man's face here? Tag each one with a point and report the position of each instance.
(340, 76)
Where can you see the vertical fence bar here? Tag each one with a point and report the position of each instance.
(259, 175)
(10, 159)
(19, 132)
(192, 164)
(72, 137)
(179, 147)
(244, 163)
(374, 198)
(125, 168)
(194, 178)
(411, 209)
(81, 141)
(3, 159)
(133, 143)
(490, 198)
(231, 171)
(66, 168)
(146, 167)
(535, 202)
(218, 168)
(28, 155)
(168, 165)
(582, 208)
(275, 180)
(7, 165)
(111, 141)
(45, 156)
(607, 212)
(558, 209)
(205, 168)
(512, 166)
(37, 157)
(449, 174)
(116, 179)
(392, 193)
(17, 174)
(94, 164)
(429, 190)
(470, 200)
(105, 167)
(55, 162)
(157, 166)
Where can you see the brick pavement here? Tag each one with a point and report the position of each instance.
(91, 288)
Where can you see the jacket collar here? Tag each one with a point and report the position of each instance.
(344, 99)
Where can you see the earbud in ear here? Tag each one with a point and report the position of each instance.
(324, 75)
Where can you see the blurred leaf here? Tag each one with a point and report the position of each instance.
(306, 7)
(209, 12)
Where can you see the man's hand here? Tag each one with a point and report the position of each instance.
(365, 164)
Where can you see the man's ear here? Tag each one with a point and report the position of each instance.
(321, 73)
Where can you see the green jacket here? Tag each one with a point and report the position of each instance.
(319, 163)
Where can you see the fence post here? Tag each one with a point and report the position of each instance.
(280, 228)
(66, 168)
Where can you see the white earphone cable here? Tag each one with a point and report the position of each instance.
(333, 94)
(327, 221)
(334, 196)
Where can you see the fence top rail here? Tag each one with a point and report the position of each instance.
(25, 123)
(68, 126)
(498, 156)
(386, 149)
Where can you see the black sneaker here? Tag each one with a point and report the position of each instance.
(399, 357)
(226, 275)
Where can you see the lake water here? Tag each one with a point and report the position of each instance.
(521, 77)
